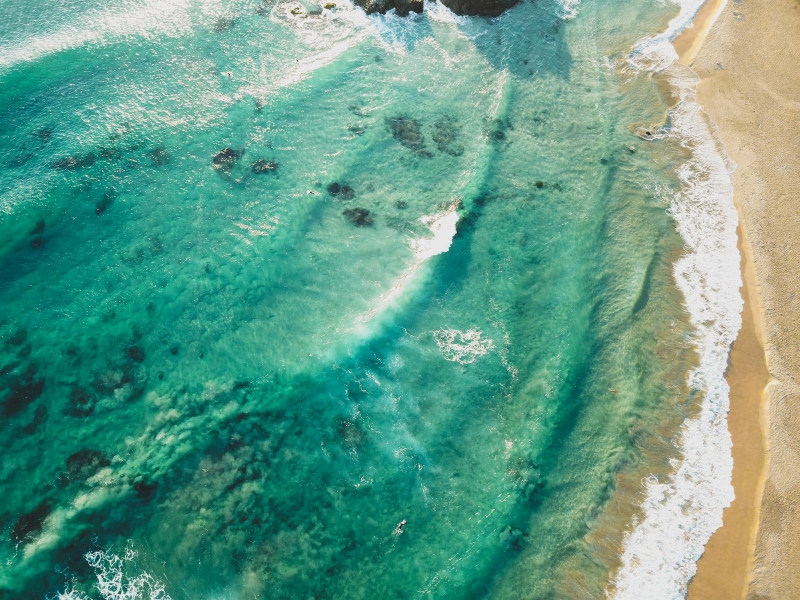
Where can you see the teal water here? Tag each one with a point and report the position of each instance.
(303, 304)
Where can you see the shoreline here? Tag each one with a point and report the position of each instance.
(744, 54)
(725, 568)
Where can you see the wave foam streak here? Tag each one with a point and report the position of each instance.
(681, 512)
(114, 582)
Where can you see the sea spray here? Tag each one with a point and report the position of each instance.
(681, 511)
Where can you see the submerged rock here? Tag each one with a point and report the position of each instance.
(359, 217)
(350, 433)
(408, 132)
(342, 191)
(73, 163)
(224, 24)
(81, 403)
(39, 228)
(39, 417)
(85, 463)
(145, 489)
(482, 8)
(264, 166)
(225, 159)
(44, 134)
(159, 156)
(497, 130)
(136, 354)
(30, 524)
(356, 129)
(23, 389)
(264, 8)
(445, 134)
(104, 204)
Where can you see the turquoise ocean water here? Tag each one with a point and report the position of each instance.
(299, 303)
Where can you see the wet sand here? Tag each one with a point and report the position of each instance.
(750, 88)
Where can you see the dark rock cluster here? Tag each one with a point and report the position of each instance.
(401, 7)
(483, 8)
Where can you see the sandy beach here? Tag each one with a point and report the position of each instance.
(746, 55)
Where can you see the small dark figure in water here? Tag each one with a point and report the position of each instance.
(400, 525)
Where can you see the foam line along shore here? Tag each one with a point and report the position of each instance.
(749, 87)
(681, 512)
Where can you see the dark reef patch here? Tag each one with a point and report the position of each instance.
(224, 24)
(341, 191)
(145, 489)
(159, 156)
(408, 132)
(401, 7)
(80, 403)
(497, 130)
(23, 389)
(85, 463)
(39, 418)
(226, 158)
(44, 134)
(263, 165)
(104, 203)
(360, 217)
(136, 354)
(350, 433)
(17, 337)
(30, 524)
(73, 163)
(445, 135)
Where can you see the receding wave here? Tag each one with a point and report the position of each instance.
(147, 18)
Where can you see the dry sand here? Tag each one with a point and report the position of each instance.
(750, 87)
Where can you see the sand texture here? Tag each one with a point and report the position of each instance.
(750, 88)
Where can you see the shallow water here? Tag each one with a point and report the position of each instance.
(321, 305)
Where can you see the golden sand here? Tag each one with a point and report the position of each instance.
(750, 87)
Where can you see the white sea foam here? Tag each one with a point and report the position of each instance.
(462, 346)
(114, 581)
(570, 9)
(682, 511)
(443, 228)
(139, 18)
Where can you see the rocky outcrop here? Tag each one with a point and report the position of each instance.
(402, 7)
(484, 8)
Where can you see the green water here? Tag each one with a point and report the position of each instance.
(261, 383)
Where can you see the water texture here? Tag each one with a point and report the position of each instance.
(299, 303)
